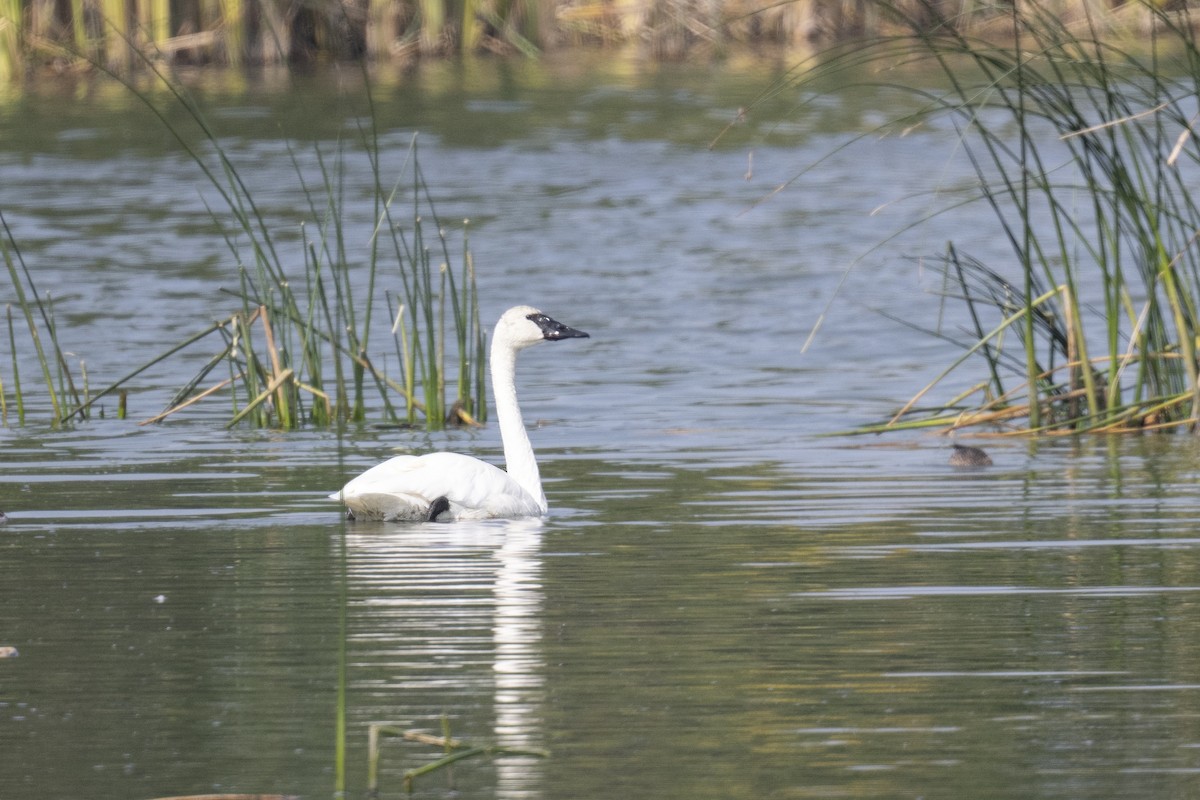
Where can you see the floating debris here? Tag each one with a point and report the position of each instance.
(7, 651)
(454, 750)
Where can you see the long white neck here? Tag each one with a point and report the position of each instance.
(519, 459)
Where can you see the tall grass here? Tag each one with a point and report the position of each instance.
(1083, 149)
(38, 313)
(296, 347)
(298, 350)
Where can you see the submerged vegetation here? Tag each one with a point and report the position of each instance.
(1084, 149)
(453, 750)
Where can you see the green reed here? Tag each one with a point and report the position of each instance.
(298, 349)
(40, 324)
(18, 398)
(1082, 147)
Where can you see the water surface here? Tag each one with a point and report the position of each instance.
(725, 601)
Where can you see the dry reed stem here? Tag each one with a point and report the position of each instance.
(314, 391)
(1004, 324)
(262, 397)
(983, 416)
(193, 399)
(1077, 367)
(1114, 122)
(430, 739)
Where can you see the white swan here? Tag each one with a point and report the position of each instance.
(450, 486)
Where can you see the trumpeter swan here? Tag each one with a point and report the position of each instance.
(450, 486)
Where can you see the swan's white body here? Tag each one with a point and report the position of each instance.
(450, 486)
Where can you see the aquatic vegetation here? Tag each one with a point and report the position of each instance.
(297, 351)
(454, 750)
(39, 320)
(297, 346)
(1083, 149)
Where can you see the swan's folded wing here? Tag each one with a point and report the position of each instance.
(379, 478)
(405, 487)
(388, 507)
(380, 493)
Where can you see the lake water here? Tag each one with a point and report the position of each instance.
(726, 601)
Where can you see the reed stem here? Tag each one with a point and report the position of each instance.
(12, 35)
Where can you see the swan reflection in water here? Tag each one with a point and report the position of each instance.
(446, 617)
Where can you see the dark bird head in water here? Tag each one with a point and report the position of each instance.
(965, 456)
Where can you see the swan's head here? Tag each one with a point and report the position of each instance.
(523, 326)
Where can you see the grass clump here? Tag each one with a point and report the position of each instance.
(38, 314)
(1082, 146)
(295, 348)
